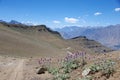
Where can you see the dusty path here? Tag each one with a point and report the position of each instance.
(17, 73)
(11, 68)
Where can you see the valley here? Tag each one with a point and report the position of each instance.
(38, 53)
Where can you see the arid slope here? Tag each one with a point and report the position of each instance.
(23, 40)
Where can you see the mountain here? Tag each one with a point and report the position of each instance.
(14, 22)
(24, 40)
(2, 21)
(108, 36)
(90, 44)
(70, 32)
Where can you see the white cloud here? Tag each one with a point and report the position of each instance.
(117, 9)
(56, 22)
(97, 13)
(30, 23)
(71, 20)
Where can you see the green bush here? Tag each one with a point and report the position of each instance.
(94, 68)
(61, 76)
(53, 71)
(107, 68)
(69, 66)
(57, 74)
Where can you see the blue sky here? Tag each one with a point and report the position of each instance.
(60, 13)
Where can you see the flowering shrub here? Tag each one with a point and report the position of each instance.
(70, 62)
(69, 57)
(76, 60)
(69, 66)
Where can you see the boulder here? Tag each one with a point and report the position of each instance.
(86, 72)
(42, 70)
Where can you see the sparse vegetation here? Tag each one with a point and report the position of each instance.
(70, 65)
(53, 71)
(106, 67)
(78, 60)
(94, 68)
(61, 76)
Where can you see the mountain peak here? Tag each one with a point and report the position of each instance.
(14, 22)
(107, 35)
(2, 21)
(19, 26)
(84, 37)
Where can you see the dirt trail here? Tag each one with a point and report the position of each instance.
(17, 73)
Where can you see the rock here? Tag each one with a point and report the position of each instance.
(41, 70)
(86, 72)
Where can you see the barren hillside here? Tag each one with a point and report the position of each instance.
(23, 40)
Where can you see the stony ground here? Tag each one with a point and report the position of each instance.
(14, 68)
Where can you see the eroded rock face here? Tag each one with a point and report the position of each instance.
(86, 72)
